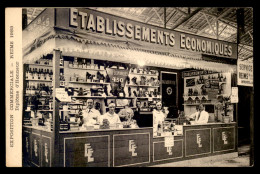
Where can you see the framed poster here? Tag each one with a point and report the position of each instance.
(190, 82)
(244, 73)
(169, 88)
(117, 80)
(214, 83)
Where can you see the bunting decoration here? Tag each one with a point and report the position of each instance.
(80, 46)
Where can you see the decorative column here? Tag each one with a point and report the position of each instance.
(56, 118)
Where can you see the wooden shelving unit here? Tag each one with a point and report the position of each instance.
(143, 86)
(89, 83)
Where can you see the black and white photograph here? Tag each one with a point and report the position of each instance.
(129, 87)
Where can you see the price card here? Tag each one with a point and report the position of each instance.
(234, 95)
(169, 141)
(62, 95)
(179, 129)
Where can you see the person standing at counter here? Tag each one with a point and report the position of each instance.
(90, 115)
(201, 116)
(127, 113)
(158, 114)
(111, 116)
(137, 115)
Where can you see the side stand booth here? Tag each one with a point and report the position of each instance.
(71, 55)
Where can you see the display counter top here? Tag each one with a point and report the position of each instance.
(43, 128)
(216, 123)
(103, 130)
(167, 136)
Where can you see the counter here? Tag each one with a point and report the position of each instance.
(128, 146)
(197, 141)
(96, 148)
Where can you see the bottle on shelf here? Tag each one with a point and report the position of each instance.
(27, 73)
(61, 77)
(189, 92)
(61, 61)
(37, 74)
(41, 74)
(30, 73)
(107, 79)
(47, 74)
(172, 126)
(121, 92)
(75, 62)
(224, 79)
(135, 93)
(44, 74)
(33, 87)
(88, 77)
(84, 65)
(27, 88)
(202, 80)
(155, 93)
(51, 74)
(70, 64)
(198, 81)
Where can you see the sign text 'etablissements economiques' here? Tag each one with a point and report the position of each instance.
(85, 20)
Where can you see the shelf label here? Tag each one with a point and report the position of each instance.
(62, 95)
(169, 141)
(234, 95)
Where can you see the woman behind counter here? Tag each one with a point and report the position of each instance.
(159, 114)
(111, 116)
(127, 113)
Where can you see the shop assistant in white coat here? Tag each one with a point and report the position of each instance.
(200, 117)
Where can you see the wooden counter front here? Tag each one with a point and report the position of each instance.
(162, 153)
(106, 148)
(224, 139)
(37, 146)
(126, 147)
(197, 141)
(210, 139)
